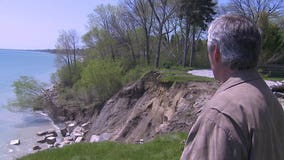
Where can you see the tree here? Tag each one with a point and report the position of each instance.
(101, 30)
(124, 30)
(28, 92)
(272, 40)
(197, 14)
(67, 46)
(143, 14)
(163, 10)
(254, 8)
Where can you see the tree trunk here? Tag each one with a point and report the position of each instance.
(147, 49)
(74, 56)
(132, 52)
(186, 46)
(157, 60)
(192, 48)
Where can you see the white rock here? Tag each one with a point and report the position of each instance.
(15, 142)
(78, 139)
(141, 141)
(85, 125)
(73, 124)
(94, 138)
(105, 137)
(50, 140)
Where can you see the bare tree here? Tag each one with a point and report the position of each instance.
(100, 21)
(124, 28)
(163, 10)
(254, 8)
(142, 13)
(67, 45)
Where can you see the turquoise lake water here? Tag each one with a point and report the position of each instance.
(21, 125)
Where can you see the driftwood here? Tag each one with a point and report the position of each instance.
(278, 88)
(279, 94)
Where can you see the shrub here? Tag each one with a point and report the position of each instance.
(101, 78)
(28, 92)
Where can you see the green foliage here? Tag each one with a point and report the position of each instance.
(65, 78)
(201, 57)
(272, 39)
(28, 92)
(101, 78)
(135, 73)
(167, 147)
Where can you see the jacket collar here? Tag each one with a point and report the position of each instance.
(239, 77)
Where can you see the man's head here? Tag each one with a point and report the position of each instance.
(233, 44)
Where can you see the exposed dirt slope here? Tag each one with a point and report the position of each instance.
(149, 107)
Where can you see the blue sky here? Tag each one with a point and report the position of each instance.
(35, 24)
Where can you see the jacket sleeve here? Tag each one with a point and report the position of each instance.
(213, 137)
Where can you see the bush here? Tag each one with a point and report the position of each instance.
(101, 79)
(28, 92)
(136, 73)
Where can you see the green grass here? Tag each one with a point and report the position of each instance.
(167, 147)
(181, 76)
(273, 78)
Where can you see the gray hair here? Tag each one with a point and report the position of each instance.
(238, 39)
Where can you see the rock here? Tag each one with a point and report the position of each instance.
(94, 138)
(50, 140)
(105, 137)
(78, 132)
(41, 140)
(64, 131)
(85, 125)
(78, 129)
(52, 132)
(36, 148)
(71, 125)
(78, 139)
(50, 146)
(141, 141)
(49, 135)
(57, 144)
(68, 138)
(41, 133)
(15, 142)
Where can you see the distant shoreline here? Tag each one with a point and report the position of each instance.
(53, 51)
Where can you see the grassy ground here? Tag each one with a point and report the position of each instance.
(273, 78)
(167, 147)
(181, 76)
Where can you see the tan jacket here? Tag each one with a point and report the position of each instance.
(242, 121)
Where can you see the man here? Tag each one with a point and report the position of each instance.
(243, 120)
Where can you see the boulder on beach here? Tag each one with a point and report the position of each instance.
(53, 132)
(41, 140)
(64, 131)
(36, 148)
(15, 142)
(50, 140)
(41, 133)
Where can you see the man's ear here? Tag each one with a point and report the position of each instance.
(217, 54)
